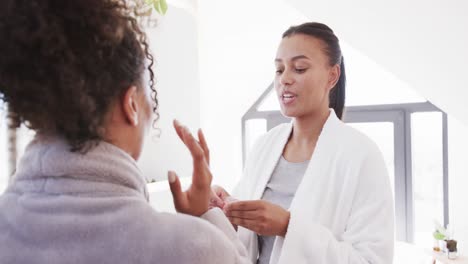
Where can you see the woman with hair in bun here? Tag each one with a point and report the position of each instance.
(314, 190)
(78, 73)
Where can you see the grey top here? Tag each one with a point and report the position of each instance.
(68, 207)
(280, 190)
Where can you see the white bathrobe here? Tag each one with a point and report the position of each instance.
(64, 207)
(342, 211)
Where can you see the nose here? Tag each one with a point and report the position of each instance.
(286, 78)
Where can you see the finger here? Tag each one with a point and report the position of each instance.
(204, 145)
(220, 192)
(229, 199)
(189, 140)
(201, 174)
(178, 128)
(182, 132)
(246, 223)
(193, 145)
(200, 166)
(223, 194)
(246, 215)
(215, 200)
(243, 206)
(176, 190)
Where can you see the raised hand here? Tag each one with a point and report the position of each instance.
(195, 200)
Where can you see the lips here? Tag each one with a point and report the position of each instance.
(288, 98)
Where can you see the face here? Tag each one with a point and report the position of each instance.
(304, 76)
(129, 119)
(145, 115)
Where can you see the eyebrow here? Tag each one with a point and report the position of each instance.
(294, 58)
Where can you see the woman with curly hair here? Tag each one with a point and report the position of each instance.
(79, 74)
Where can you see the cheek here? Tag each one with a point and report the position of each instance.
(146, 113)
(277, 88)
(314, 91)
(316, 83)
(149, 115)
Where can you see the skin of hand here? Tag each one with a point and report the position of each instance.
(195, 200)
(219, 197)
(262, 217)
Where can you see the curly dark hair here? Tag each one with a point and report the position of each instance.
(62, 64)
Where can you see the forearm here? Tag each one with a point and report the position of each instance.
(216, 217)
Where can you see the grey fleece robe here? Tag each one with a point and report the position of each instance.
(65, 207)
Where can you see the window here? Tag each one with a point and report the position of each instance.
(23, 137)
(428, 168)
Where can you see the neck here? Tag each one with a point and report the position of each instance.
(307, 129)
(118, 133)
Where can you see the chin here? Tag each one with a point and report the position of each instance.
(289, 113)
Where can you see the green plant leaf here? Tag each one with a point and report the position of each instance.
(160, 6)
(157, 7)
(439, 236)
(163, 4)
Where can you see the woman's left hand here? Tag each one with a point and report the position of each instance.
(262, 217)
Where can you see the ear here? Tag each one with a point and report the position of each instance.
(334, 76)
(130, 105)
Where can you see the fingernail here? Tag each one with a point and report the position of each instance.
(176, 122)
(171, 176)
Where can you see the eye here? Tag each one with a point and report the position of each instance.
(301, 70)
(279, 71)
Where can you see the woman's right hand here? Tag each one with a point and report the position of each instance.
(195, 200)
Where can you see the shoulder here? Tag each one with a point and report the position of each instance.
(355, 142)
(362, 156)
(186, 238)
(271, 136)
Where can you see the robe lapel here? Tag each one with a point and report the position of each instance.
(319, 162)
(277, 144)
(303, 201)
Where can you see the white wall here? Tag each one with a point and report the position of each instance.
(174, 45)
(422, 42)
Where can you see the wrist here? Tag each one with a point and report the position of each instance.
(285, 225)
